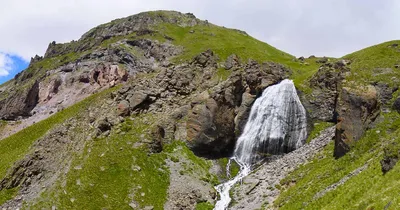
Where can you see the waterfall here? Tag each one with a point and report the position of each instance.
(276, 125)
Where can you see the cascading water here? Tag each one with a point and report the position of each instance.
(276, 125)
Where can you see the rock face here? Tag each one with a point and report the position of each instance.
(277, 124)
(216, 119)
(353, 110)
(20, 103)
(356, 110)
(325, 85)
(140, 23)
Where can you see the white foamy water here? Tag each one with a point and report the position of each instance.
(277, 124)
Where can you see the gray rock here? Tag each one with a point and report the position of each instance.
(231, 62)
(356, 111)
(396, 105)
(137, 99)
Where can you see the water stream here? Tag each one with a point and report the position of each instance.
(276, 125)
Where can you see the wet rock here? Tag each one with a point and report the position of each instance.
(260, 76)
(243, 111)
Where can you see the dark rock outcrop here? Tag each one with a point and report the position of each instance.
(321, 103)
(19, 104)
(385, 92)
(396, 105)
(216, 119)
(356, 110)
(388, 163)
(231, 62)
(140, 23)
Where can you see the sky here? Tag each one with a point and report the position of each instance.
(301, 28)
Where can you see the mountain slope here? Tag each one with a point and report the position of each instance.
(361, 179)
(127, 147)
(141, 113)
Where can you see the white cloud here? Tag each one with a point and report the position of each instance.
(329, 27)
(6, 64)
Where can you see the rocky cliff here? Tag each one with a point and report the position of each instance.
(142, 112)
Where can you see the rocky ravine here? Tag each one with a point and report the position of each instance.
(259, 188)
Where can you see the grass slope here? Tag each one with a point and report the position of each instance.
(14, 147)
(224, 42)
(370, 189)
(368, 64)
(111, 173)
(114, 171)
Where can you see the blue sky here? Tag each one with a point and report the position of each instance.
(10, 65)
(302, 28)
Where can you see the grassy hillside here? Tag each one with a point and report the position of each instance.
(16, 146)
(112, 171)
(376, 63)
(358, 179)
(224, 42)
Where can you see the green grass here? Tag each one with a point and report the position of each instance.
(204, 206)
(317, 128)
(369, 189)
(14, 147)
(224, 42)
(364, 63)
(233, 170)
(222, 74)
(114, 173)
(7, 194)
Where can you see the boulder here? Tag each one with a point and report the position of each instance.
(206, 59)
(388, 163)
(123, 108)
(396, 105)
(357, 109)
(137, 99)
(231, 62)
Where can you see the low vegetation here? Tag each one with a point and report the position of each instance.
(112, 172)
(370, 189)
(379, 63)
(317, 128)
(14, 147)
